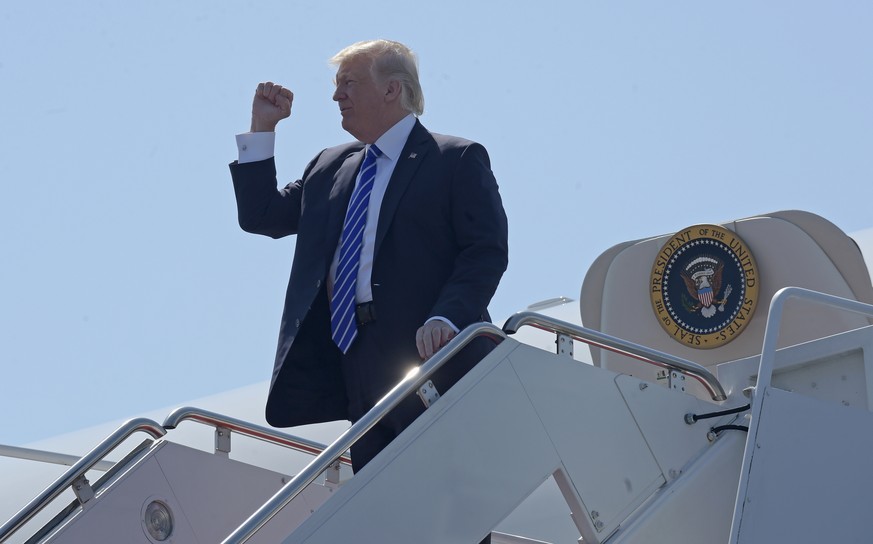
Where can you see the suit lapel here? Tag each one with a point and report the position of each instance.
(408, 163)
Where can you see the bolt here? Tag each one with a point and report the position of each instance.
(598, 525)
(595, 514)
(643, 386)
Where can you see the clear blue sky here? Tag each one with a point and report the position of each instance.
(126, 284)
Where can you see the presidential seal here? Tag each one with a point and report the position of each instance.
(704, 286)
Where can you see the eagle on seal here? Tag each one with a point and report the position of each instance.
(702, 278)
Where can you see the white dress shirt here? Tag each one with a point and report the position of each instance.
(390, 144)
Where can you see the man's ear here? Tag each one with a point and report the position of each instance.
(392, 91)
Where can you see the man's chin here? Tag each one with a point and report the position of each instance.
(349, 127)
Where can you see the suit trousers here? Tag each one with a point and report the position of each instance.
(374, 364)
(362, 376)
(368, 377)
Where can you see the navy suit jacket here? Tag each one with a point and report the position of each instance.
(440, 250)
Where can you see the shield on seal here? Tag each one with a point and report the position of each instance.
(705, 296)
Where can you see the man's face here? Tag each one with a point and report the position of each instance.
(361, 100)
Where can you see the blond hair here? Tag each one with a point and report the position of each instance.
(390, 61)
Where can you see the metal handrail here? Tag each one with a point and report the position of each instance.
(618, 345)
(765, 374)
(78, 470)
(43, 456)
(248, 429)
(410, 383)
(774, 318)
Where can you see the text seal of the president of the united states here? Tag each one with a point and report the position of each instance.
(704, 286)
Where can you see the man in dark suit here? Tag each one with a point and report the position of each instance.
(432, 246)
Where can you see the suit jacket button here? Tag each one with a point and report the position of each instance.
(297, 323)
(317, 284)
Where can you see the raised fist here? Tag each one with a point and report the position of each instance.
(271, 104)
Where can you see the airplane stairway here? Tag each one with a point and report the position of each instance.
(522, 415)
(630, 466)
(612, 443)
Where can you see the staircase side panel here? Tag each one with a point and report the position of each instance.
(602, 449)
(810, 479)
(116, 514)
(452, 475)
(695, 507)
(208, 495)
(660, 416)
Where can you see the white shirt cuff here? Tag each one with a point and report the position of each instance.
(255, 146)
(446, 321)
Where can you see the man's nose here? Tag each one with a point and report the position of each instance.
(337, 95)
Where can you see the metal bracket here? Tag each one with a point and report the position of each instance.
(332, 474)
(82, 489)
(565, 345)
(598, 524)
(428, 394)
(222, 441)
(676, 380)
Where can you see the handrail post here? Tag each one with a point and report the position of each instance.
(77, 471)
(410, 383)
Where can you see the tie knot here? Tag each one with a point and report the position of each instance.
(373, 151)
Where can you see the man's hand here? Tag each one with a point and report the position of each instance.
(431, 337)
(271, 104)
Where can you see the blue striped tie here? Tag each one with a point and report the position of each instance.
(343, 326)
